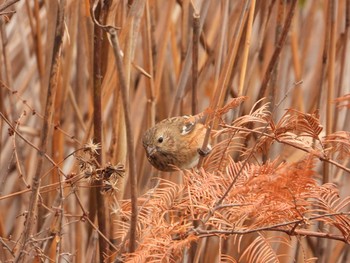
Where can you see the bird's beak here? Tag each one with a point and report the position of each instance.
(150, 150)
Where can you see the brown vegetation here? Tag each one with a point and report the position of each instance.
(82, 80)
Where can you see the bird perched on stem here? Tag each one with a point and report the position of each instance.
(175, 142)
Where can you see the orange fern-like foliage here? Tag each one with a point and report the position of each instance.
(244, 197)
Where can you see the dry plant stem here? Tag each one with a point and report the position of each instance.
(37, 36)
(322, 78)
(46, 188)
(343, 72)
(221, 85)
(150, 109)
(34, 112)
(296, 232)
(277, 51)
(331, 77)
(15, 130)
(99, 209)
(296, 98)
(91, 223)
(18, 163)
(323, 245)
(225, 75)
(4, 245)
(76, 109)
(7, 13)
(161, 51)
(187, 64)
(6, 64)
(38, 41)
(276, 227)
(52, 226)
(272, 82)
(196, 34)
(129, 136)
(322, 73)
(54, 70)
(24, 139)
(220, 50)
(185, 25)
(246, 48)
(150, 83)
(7, 4)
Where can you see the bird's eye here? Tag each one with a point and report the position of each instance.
(160, 139)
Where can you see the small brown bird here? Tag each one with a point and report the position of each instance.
(175, 143)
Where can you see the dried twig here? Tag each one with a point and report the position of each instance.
(246, 47)
(98, 206)
(221, 86)
(277, 227)
(32, 211)
(196, 34)
(187, 65)
(7, 4)
(131, 151)
(278, 49)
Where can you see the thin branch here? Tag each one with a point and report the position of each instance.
(85, 217)
(138, 8)
(7, 247)
(187, 64)
(278, 49)
(54, 70)
(35, 112)
(246, 47)
(98, 205)
(16, 153)
(29, 143)
(296, 232)
(221, 85)
(130, 138)
(276, 227)
(7, 4)
(196, 34)
(46, 188)
(7, 12)
(332, 9)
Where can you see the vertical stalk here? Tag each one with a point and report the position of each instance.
(184, 28)
(246, 48)
(297, 101)
(130, 139)
(100, 14)
(331, 68)
(221, 82)
(277, 51)
(186, 69)
(196, 34)
(332, 9)
(36, 182)
(150, 89)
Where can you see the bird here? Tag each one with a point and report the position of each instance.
(175, 143)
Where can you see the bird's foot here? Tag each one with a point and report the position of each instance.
(205, 152)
